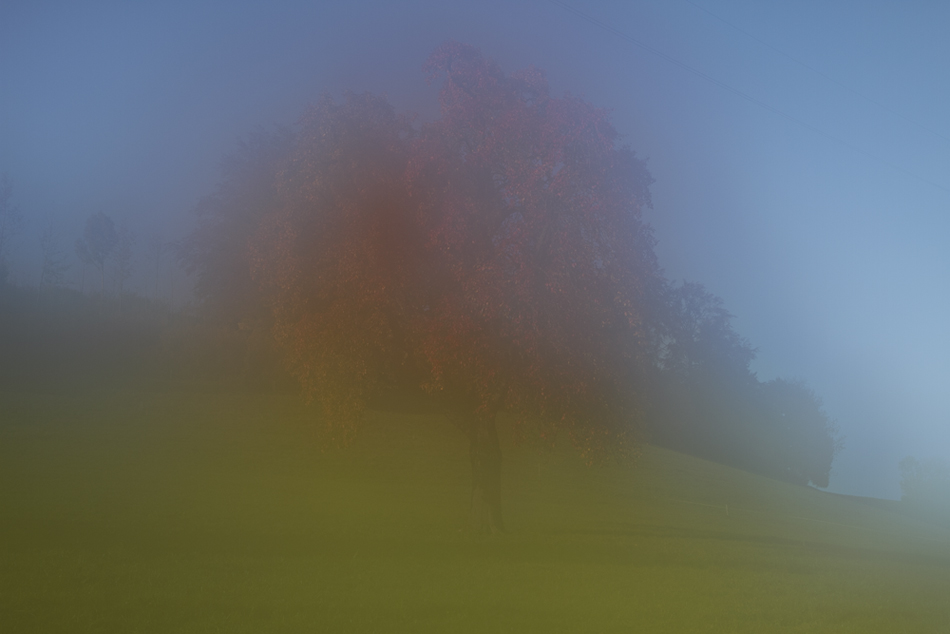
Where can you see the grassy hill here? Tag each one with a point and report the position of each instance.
(172, 512)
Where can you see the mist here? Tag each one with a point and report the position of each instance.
(799, 154)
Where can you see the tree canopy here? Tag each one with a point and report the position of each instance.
(495, 258)
(543, 267)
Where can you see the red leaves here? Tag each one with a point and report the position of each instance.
(536, 215)
(499, 247)
(338, 252)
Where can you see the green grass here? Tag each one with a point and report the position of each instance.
(138, 512)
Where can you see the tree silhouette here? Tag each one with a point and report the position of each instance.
(799, 441)
(216, 253)
(10, 224)
(539, 301)
(121, 258)
(97, 244)
(497, 257)
(496, 260)
(706, 400)
(699, 336)
(54, 258)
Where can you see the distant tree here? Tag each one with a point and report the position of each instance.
(795, 436)
(97, 244)
(703, 388)
(336, 255)
(708, 402)
(925, 482)
(158, 247)
(698, 335)
(54, 256)
(498, 254)
(217, 252)
(121, 258)
(10, 224)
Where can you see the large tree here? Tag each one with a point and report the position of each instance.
(338, 257)
(539, 299)
(496, 256)
(496, 259)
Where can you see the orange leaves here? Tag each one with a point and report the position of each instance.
(495, 253)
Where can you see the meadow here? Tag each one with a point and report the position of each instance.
(133, 511)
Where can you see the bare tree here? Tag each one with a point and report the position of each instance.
(121, 260)
(97, 244)
(174, 248)
(10, 223)
(54, 255)
(158, 248)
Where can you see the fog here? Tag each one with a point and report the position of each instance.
(800, 154)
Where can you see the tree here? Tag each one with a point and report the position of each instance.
(925, 483)
(545, 269)
(706, 400)
(121, 260)
(702, 389)
(337, 257)
(97, 244)
(796, 438)
(10, 224)
(54, 258)
(496, 256)
(698, 335)
(217, 252)
(496, 260)
(158, 247)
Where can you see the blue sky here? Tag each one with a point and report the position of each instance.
(816, 203)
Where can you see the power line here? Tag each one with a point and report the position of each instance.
(744, 95)
(818, 72)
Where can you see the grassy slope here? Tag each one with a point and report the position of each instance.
(128, 512)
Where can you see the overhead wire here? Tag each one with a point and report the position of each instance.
(743, 95)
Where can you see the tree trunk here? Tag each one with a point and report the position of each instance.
(485, 452)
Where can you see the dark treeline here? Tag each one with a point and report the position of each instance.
(58, 338)
(707, 402)
(703, 398)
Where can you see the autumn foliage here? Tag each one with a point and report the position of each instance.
(494, 258)
(338, 257)
(541, 263)
(496, 253)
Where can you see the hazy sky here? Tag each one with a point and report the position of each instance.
(801, 152)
